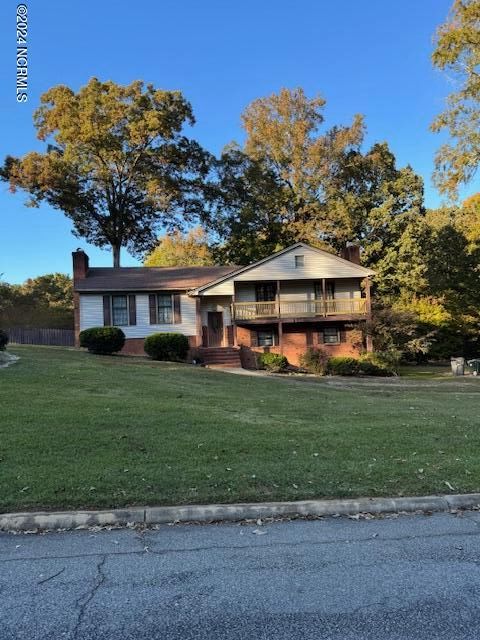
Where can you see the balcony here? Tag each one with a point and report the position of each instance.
(299, 309)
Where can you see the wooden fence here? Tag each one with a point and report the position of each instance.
(52, 337)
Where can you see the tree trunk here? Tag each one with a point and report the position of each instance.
(116, 255)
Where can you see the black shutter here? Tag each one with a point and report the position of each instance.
(321, 339)
(343, 334)
(152, 305)
(253, 339)
(132, 310)
(107, 311)
(309, 338)
(177, 309)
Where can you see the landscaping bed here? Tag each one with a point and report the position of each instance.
(80, 430)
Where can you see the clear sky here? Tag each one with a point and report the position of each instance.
(364, 56)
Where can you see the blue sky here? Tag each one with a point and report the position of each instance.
(364, 56)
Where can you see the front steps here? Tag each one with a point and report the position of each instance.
(221, 356)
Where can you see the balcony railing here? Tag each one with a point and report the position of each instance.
(299, 308)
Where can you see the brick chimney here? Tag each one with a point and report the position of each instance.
(80, 265)
(351, 253)
(80, 268)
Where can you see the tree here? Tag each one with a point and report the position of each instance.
(45, 301)
(116, 164)
(181, 250)
(292, 183)
(458, 52)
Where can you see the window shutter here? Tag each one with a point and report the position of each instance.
(253, 339)
(177, 309)
(152, 305)
(320, 337)
(132, 310)
(107, 311)
(343, 335)
(309, 338)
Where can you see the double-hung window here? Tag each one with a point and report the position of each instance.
(266, 338)
(331, 335)
(164, 308)
(120, 311)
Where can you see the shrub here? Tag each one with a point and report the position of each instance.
(274, 362)
(102, 340)
(343, 366)
(388, 360)
(315, 361)
(4, 339)
(167, 346)
(368, 368)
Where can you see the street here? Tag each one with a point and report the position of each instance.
(395, 578)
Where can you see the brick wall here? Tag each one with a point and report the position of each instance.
(134, 346)
(296, 340)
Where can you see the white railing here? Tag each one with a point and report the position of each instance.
(299, 308)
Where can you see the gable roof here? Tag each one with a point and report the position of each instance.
(149, 278)
(357, 270)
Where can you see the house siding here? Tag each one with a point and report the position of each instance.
(91, 315)
(295, 290)
(317, 265)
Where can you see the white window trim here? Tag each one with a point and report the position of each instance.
(172, 307)
(119, 295)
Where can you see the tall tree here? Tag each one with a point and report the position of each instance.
(116, 163)
(179, 249)
(458, 52)
(292, 182)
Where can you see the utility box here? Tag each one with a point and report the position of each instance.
(458, 366)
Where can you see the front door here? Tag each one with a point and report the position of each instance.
(215, 328)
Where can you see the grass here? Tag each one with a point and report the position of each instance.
(78, 430)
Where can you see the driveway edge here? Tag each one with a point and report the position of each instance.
(232, 512)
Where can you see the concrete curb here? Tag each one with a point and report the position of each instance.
(232, 512)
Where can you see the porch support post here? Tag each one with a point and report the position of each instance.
(368, 304)
(280, 336)
(324, 296)
(198, 322)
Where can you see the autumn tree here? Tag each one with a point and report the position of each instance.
(293, 181)
(457, 51)
(116, 163)
(179, 249)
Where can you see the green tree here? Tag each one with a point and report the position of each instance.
(292, 182)
(178, 249)
(117, 163)
(457, 51)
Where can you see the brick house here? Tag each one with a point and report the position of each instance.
(293, 299)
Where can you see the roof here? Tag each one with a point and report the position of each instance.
(150, 278)
(237, 270)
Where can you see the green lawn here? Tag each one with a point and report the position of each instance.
(78, 430)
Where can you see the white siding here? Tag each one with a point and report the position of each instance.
(295, 290)
(317, 265)
(217, 303)
(91, 315)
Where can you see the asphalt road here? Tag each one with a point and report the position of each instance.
(409, 577)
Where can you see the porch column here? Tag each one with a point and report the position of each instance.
(198, 322)
(280, 324)
(324, 296)
(280, 336)
(368, 304)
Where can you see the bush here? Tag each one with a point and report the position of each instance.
(102, 340)
(388, 360)
(273, 362)
(167, 346)
(4, 339)
(343, 366)
(369, 368)
(315, 361)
